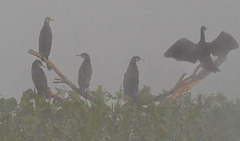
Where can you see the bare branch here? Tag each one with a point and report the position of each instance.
(184, 85)
(62, 76)
(57, 81)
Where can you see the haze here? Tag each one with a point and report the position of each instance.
(112, 32)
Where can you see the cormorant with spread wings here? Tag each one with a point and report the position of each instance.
(185, 50)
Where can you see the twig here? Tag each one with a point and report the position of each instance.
(184, 85)
(58, 97)
(57, 81)
(61, 75)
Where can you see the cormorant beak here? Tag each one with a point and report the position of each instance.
(80, 56)
(52, 19)
(206, 29)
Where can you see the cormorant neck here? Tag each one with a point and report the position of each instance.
(202, 36)
(133, 63)
(46, 23)
(87, 60)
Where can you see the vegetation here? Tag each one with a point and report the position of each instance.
(35, 118)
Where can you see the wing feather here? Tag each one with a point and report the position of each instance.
(183, 50)
(131, 81)
(223, 44)
(40, 81)
(45, 41)
(84, 75)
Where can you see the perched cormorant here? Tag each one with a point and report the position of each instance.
(39, 78)
(185, 50)
(84, 73)
(45, 40)
(131, 78)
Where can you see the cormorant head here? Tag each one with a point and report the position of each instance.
(135, 59)
(203, 28)
(48, 20)
(37, 63)
(84, 56)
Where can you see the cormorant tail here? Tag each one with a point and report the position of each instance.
(215, 69)
(49, 67)
(42, 57)
(81, 90)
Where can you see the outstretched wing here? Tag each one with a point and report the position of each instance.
(222, 44)
(183, 50)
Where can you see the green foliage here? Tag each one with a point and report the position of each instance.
(204, 118)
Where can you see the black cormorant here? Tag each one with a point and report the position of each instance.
(84, 73)
(39, 78)
(131, 78)
(185, 50)
(45, 40)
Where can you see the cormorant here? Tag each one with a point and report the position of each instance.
(39, 78)
(131, 78)
(45, 40)
(185, 50)
(84, 73)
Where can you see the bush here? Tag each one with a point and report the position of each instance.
(203, 118)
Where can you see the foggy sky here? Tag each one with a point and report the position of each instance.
(112, 31)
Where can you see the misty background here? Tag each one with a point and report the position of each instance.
(112, 32)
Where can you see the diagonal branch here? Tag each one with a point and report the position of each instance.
(185, 84)
(61, 75)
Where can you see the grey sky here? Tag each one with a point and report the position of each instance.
(112, 31)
